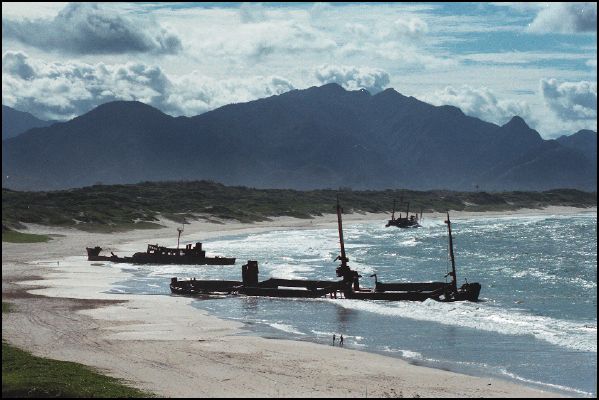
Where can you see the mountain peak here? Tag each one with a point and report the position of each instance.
(123, 108)
(331, 87)
(587, 132)
(389, 93)
(519, 131)
(126, 105)
(516, 123)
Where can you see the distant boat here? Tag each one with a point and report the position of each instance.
(190, 255)
(348, 287)
(409, 221)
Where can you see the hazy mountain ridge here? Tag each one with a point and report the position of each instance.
(314, 138)
(15, 122)
(584, 141)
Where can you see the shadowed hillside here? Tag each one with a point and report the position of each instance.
(15, 122)
(319, 137)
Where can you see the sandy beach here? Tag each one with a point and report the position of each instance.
(163, 345)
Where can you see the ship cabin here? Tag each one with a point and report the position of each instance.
(189, 250)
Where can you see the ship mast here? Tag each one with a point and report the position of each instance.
(393, 212)
(454, 284)
(400, 203)
(342, 257)
(180, 230)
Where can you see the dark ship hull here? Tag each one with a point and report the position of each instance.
(306, 289)
(403, 223)
(163, 255)
(468, 292)
(295, 288)
(196, 287)
(409, 221)
(144, 258)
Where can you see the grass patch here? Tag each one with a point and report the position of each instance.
(24, 375)
(6, 307)
(19, 237)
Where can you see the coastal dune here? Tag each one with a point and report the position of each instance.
(63, 310)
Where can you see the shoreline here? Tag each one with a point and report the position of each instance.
(161, 344)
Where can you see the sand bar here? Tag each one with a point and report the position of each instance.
(162, 344)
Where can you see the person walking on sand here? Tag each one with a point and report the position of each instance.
(341, 340)
(333, 339)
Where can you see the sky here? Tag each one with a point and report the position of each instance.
(492, 60)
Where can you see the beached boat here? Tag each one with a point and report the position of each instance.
(250, 286)
(416, 291)
(409, 221)
(348, 287)
(155, 254)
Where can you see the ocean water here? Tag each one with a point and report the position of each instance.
(535, 323)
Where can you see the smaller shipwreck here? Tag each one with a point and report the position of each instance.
(409, 221)
(155, 254)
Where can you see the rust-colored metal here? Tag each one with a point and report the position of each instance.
(155, 254)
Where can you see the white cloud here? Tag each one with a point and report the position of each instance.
(271, 37)
(571, 100)
(480, 103)
(411, 26)
(524, 57)
(17, 64)
(566, 18)
(194, 94)
(18, 10)
(231, 53)
(65, 90)
(352, 78)
(85, 28)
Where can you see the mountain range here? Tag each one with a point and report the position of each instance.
(15, 122)
(320, 137)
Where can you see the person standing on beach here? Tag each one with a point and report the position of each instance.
(341, 340)
(333, 339)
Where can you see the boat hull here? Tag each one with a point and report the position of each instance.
(438, 291)
(196, 287)
(145, 258)
(402, 223)
(393, 296)
(289, 293)
(468, 292)
(93, 254)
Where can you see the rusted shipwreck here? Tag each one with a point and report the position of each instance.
(409, 221)
(347, 287)
(250, 286)
(155, 254)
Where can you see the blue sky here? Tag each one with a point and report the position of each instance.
(493, 60)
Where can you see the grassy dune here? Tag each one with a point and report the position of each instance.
(138, 206)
